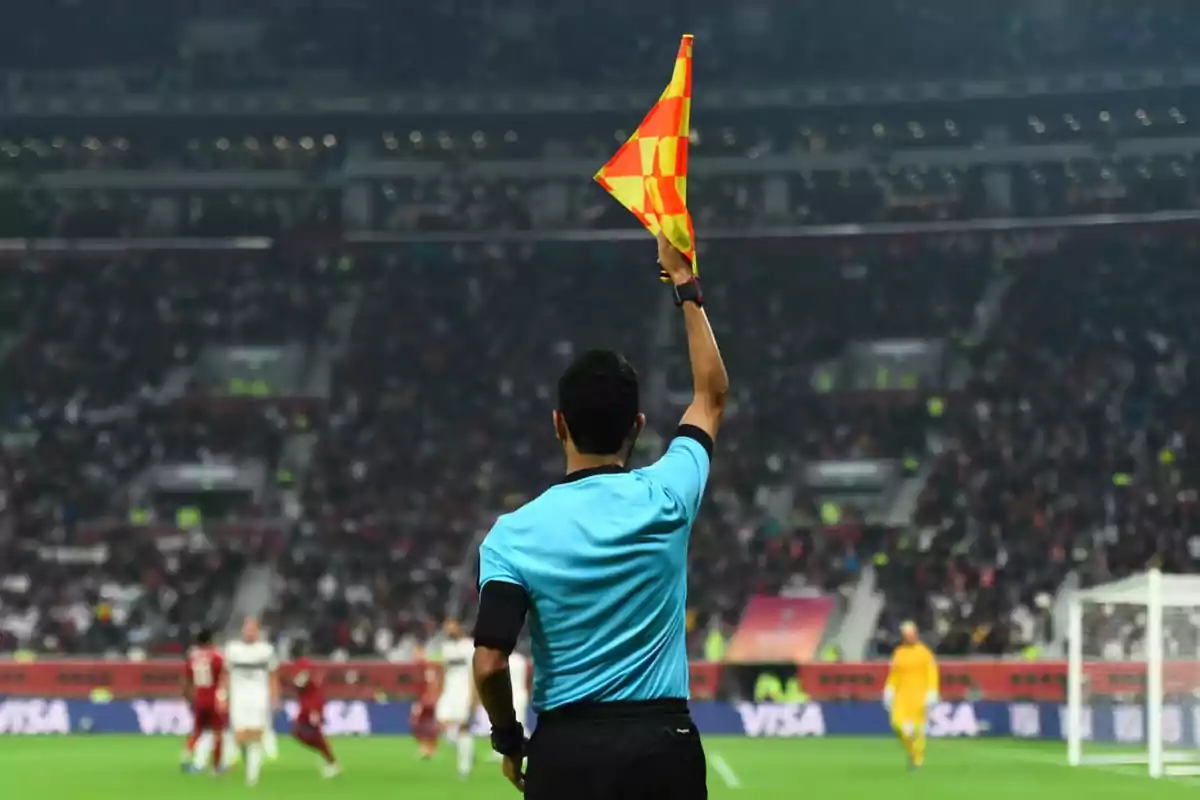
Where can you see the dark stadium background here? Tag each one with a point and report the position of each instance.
(285, 287)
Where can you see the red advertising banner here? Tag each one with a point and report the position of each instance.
(780, 629)
(357, 680)
(351, 680)
(369, 680)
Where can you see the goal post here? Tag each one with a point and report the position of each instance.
(1133, 661)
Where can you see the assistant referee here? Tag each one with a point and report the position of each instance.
(598, 565)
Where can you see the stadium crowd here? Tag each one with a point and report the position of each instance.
(1068, 446)
(1073, 446)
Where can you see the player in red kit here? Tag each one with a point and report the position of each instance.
(306, 728)
(203, 671)
(424, 722)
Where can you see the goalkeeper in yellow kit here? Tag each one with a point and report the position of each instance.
(911, 690)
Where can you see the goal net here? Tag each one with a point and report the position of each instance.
(1133, 675)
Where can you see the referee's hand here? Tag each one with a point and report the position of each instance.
(673, 262)
(514, 773)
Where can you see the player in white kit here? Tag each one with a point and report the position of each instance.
(253, 693)
(518, 668)
(456, 706)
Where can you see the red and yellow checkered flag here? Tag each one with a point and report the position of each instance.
(648, 175)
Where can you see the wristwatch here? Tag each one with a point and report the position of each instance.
(689, 292)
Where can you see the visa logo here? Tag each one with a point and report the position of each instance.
(34, 717)
(782, 720)
(167, 717)
(950, 719)
(342, 718)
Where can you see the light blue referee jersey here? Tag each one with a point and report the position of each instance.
(603, 558)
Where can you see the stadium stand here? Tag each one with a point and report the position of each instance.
(1069, 447)
(1065, 420)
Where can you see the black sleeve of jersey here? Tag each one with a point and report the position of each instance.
(502, 609)
(699, 434)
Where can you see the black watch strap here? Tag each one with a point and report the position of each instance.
(509, 740)
(689, 292)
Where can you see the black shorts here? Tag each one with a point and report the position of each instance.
(623, 751)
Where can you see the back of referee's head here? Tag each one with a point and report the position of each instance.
(598, 405)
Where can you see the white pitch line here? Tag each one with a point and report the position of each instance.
(1024, 754)
(722, 768)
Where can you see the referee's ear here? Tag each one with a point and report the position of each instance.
(639, 424)
(560, 427)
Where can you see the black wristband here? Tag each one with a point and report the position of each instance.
(509, 740)
(689, 292)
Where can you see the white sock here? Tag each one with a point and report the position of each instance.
(466, 752)
(229, 751)
(203, 751)
(270, 744)
(254, 756)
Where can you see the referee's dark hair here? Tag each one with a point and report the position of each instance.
(598, 403)
(204, 637)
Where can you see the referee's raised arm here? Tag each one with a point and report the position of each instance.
(710, 382)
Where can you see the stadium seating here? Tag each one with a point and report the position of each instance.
(589, 42)
(90, 345)
(1068, 447)
(461, 344)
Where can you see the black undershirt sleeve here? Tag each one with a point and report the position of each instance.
(502, 610)
(699, 434)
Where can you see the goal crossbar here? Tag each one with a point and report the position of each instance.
(1173, 591)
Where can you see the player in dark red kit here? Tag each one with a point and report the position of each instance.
(203, 671)
(306, 729)
(424, 722)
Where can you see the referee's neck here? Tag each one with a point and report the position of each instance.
(580, 462)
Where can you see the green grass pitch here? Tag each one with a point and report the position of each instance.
(137, 768)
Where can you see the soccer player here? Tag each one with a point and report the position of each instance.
(518, 667)
(203, 672)
(270, 742)
(424, 714)
(599, 564)
(309, 720)
(456, 706)
(911, 690)
(253, 693)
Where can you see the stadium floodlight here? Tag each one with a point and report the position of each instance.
(1133, 668)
